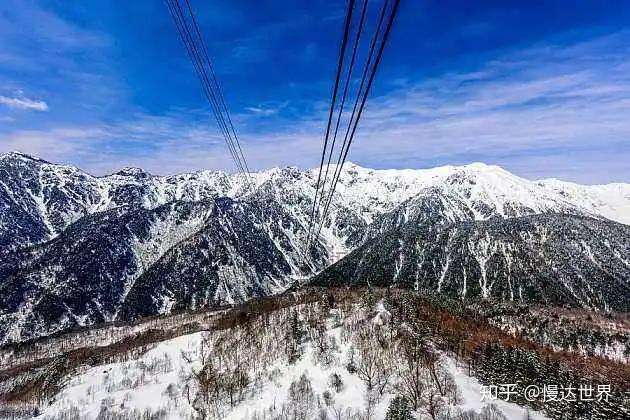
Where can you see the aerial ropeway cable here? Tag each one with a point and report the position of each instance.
(342, 54)
(194, 44)
(345, 91)
(357, 111)
(323, 196)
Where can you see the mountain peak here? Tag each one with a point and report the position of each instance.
(134, 172)
(351, 165)
(479, 165)
(15, 155)
(483, 167)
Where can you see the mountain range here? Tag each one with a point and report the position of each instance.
(78, 250)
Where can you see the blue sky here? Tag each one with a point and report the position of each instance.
(540, 88)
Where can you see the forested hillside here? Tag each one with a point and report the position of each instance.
(318, 353)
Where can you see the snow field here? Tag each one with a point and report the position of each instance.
(164, 383)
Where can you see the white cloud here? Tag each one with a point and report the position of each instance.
(546, 111)
(24, 103)
(262, 111)
(563, 109)
(268, 108)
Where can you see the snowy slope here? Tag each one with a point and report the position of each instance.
(80, 277)
(155, 383)
(129, 262)
(611, 200)
(162, 382)
(556, 259)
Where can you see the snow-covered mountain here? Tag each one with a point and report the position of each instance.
(39, 199)
(611, 200)
(557, 259)
(128, 262)
(76, 249)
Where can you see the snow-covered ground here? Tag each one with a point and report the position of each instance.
(144, 384)
(162, 381)
(474, 399)
(140, 384)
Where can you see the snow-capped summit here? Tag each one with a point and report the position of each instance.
(19, 156)
(78, 249)
(611, 200)
(132, 172)
(41, 199)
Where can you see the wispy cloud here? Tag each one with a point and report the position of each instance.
(24, 103)
(566, 105)
(262, 111)
(160, 144)
(551, 110)
(268, 108)
(51, 57)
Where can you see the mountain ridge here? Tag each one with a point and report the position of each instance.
(150, 230)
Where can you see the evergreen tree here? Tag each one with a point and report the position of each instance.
(369, 300)
(399, 409)
(294, 338)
